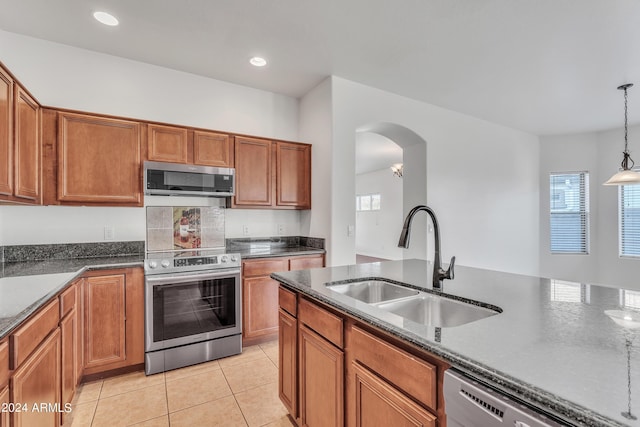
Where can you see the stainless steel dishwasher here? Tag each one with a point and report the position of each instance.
(468, 403)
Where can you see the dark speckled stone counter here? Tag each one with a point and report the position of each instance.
(275, 246)
(552, 346)
(26, 286)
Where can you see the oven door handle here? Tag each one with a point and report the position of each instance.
(189, 277)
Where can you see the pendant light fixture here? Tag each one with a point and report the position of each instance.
(626, 176)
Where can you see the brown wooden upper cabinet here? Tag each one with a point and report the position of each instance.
(182, 145)
(272, 174)
(253, 172)
(6, 134)
(99, 160)
(19, 143)
(212, 149)
(293, 175)
(167, 144)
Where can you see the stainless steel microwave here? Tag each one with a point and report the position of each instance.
(173, 179)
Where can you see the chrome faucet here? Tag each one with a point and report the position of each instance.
(438, 273)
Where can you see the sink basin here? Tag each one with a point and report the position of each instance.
(433, 310)
(373, 291)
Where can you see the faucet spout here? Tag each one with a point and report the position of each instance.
(439, 274)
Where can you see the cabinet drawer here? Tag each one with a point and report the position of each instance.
(413, 376)
(32, 333)
(320, 320)
(4, 363)
(263, 267)
(303, 263)
(287, 301)
(67, 300)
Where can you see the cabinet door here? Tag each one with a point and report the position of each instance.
(293, 171)
(37, 382)
(99, 160)
(4, 363)
(287, 362)
(68, 341)
(167, 144)
(135, 316)
(104, 333)
(212, 149)
(253, 172)
(27, 146)
(4, 400)
(79, 329)
(378, 403)
(260, 296)
(321, 381)
(6, 133)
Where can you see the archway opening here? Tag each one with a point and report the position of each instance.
(382, 197)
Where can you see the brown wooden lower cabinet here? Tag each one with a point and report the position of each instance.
(321, 381)
(113, 320)
(377, 403)
(36, 382)
(260, 293)
(4, 400)
(102, 313)
(69, 362)
(260, 296)
(105, 322)
(288, 359)
(351, 373)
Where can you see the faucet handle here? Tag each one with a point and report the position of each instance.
(449, 273)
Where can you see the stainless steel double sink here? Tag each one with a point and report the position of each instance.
(418, 306)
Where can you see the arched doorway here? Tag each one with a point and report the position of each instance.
(378, 231)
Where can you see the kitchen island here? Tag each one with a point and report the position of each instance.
(552, 345)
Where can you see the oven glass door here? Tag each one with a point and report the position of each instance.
(192, 308)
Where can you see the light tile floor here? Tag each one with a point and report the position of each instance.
(239, 390)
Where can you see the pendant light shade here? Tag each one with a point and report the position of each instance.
(626, 176)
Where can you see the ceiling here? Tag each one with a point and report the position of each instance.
(375, 152)
(541, 66)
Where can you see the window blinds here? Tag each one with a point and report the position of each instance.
(630, 220)
(569, 212)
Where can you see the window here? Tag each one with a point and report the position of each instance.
(569, 212)
(629, 220)
(368, 202)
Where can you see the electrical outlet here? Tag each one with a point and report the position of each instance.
(109, 232)
(351, 230)
(280, 229)
(245, 230)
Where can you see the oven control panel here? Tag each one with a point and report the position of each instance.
(193, 263)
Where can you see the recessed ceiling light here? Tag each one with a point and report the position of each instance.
(257, 61)
(106, 18)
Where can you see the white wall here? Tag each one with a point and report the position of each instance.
(316, 122)
(573, 153)
(599, 153)
(482, 179)
(67, 77)
(377, 232)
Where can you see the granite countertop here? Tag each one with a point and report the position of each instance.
(552, 346)
(27, 286)
(267, 252)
